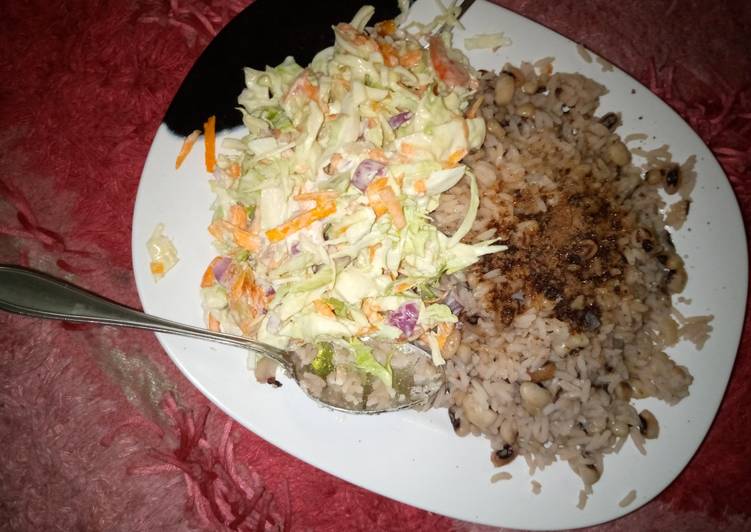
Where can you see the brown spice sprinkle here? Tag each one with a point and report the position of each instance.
(573, 253)
(569, 251)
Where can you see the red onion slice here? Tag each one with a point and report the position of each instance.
(399, 119)
(365, 172)
(405, 318)
(220, 268)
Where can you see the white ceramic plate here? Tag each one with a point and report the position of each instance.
(417, 458)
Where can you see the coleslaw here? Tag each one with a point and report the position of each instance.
(322, 212)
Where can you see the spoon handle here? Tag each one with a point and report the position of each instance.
(38, 295)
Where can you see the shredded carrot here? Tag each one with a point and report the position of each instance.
(390, 57)
(302, 84)
(323, 308)
(372, 251)
(209, 278)
(214, 323)
(247, 298)
(188, 143)
(209, 140)
(256, 295)
(371, 311)
(238, 286)
(366, 331)
(157, 267)
(362, 40)
(310, 90)
(385, 27)
(234, 170)
(300, 221)
(379, 206)
(407, 149)
(342, 229)
(454, 158)
(246, 239)
(410, 58)
(377, 154)
(444, 331)
(377, 185)
(374, 197)
(382, 199)
(246, 326)
(394, 208)
(420, 186)
(319, 197)
(402, 287)
(237, 216)
(216, 229)
(452, 73)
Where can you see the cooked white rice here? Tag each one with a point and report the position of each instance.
(628, 499)
(501, 475)
(563, 330)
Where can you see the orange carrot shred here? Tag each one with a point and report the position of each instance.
(454, 158)
(237, 216)
(377, 154)
(407, 149)
(390, 57)
(209, 140)
(410, 58)
(246, 239)
(323, 308)
(377, 185)
(444, 331)
(157, 267)
(188, 143)
(401, 287)
(318, 197)
(300, 221)
(213, 323)
(372, 251)
(374, 197)
(238, 287)
(216, 230)
(382, 199)
(234, 170)
(385, 27)
(310, 90)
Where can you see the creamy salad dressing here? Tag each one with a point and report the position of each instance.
(321, 218)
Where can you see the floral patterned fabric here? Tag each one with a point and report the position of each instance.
(98, 430)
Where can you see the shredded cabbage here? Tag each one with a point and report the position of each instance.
(366, 362)
(162, 252)
(323, 206)
(487, 40)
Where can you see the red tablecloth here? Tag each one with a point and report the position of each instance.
(98, 430)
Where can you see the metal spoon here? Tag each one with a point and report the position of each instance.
(31, 293)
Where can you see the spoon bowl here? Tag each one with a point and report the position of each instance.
(35, 294)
